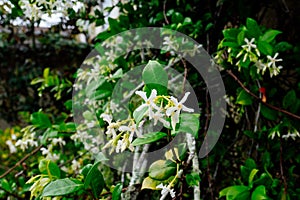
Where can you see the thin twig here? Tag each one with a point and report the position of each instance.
(164, 12)
(21, 161)
(207, 113)
(185, 74)
(256, 97)
(281, 167)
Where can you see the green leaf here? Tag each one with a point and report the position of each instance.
(237, 192)
(62, 187)
(117, 74)
(148, 138)
(192, 179)
(268, 113)
(244, 98)
(114, 25)
(265, 47)
(117, 192)
(155, 77)
(5, 185)
(149, 183)
(88, 115)
(177, 17)
(85, 170)
(139, 114)
(253, 28)
(283, 46)
(49, 168)
(46, 73)
(40, 120)
(241, 37)
(49, 133)
(270, 35)
(231, 34)
(251, 176)
(289, 99)
(189, 123)
(230, 44)
(162, 169)
(94, 178)
(250, 164)
(259, 193)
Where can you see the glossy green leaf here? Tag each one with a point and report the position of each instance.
(149, 183)
(40, 120)
(116, 195)
(265, 47)
(244, 98)
(139, 114)
(46, 73)
(49, 168)
(237, 192)
(270, 35)
(259, 193)
(94, 179)
(241, 37)
(251, 176)
(5, 185)
(253, 28)
(231, 34)
(148, 138)
(289, 99)
(62, 187)
(193, 179)
(162, 169)
(155, 77)
(268, 113)
(189, 123)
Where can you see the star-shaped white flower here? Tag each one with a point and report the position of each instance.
(159, 116)
(273, 60)
(175, 110)
(165, 191)
(249, 44)
(131, 129)
(111, 125)
(149, 102)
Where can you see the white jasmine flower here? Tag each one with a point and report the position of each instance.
(165, 191)
(249, 44)
(111, 125)
(273, 60)
(59, 141)
(45, 151)
(175, 110)
(291, 134)
(25, 143)
(75, 165)
(11, 146)
(274, 132)
(159, 116)
(149, 102)
(261, 67)
(131, 129)
(94, 74)
(274, 71)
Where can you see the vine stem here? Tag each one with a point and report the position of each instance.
(195, 162)
(256, 97)
(21, 161)
(281, 167)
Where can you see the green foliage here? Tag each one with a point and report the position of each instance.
(62, 187)
(248, 49)
(149, 138)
